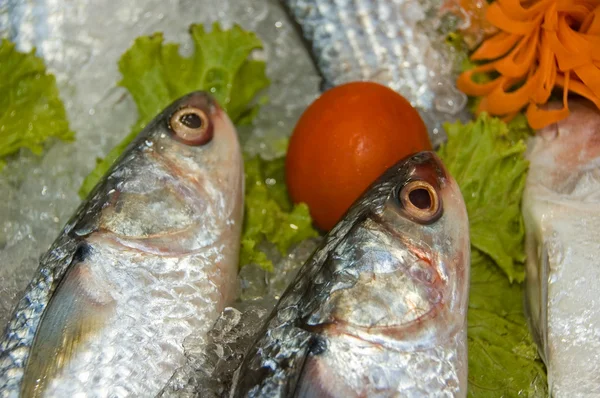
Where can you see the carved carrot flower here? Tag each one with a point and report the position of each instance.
(540, 45)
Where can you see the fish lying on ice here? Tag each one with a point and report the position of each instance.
(150, 257)
(395, 43)
(561, 207)
(380, 308)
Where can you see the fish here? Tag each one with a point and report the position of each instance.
(380, 308)
(396, 43)
(561, 210)
(149, 258)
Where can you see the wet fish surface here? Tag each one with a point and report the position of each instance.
(561, 207)
(392, 42)
(380, 307)
(150, 257)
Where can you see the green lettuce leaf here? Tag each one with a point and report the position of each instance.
(269, 214)
(488, 162)
(30, 108)
(156, 74)
(486, 158)
(503, 360)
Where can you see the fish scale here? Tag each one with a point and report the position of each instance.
(132, 341)
(396, 43)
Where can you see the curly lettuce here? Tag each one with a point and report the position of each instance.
(31, 110)
(488, 163)
(270, 216)
(486, 157)
(503, 360)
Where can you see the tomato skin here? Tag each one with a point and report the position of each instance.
(346, 139)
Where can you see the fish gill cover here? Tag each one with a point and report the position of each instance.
(30, 108)
(155, 74)
(486, 157)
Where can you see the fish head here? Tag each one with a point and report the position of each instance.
(201, 144)
(196, 133)
(179, 181)
(380, 308)
(426, 212)
(410, 258)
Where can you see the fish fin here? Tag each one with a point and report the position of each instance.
(78, 308)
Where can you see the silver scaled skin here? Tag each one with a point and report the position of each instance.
(561, 209)
(392, 42)
(380, 308)
(150, 257)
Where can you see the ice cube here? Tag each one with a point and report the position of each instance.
(253, 282)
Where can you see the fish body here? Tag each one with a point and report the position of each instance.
(380, 307)
(395, 43)
(561, 208)
(149, 258)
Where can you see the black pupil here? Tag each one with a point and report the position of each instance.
(420, 198)
(191, 120)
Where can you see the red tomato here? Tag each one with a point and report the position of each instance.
(345, 140)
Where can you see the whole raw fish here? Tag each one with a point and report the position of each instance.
(380, 308)
(393, 42)
(561, 207)
(150, 257)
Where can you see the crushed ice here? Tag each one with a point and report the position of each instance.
(40, 193)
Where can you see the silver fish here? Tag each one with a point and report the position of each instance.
(150, 257)
(392, 42)
(561, 208)
(380, 308)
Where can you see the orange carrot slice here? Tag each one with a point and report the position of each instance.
(540, 45)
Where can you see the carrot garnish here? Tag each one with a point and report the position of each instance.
(540, 45)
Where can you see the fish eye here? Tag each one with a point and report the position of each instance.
(421, 201)
(191, 126)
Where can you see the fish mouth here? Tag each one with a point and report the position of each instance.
(429, 167)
